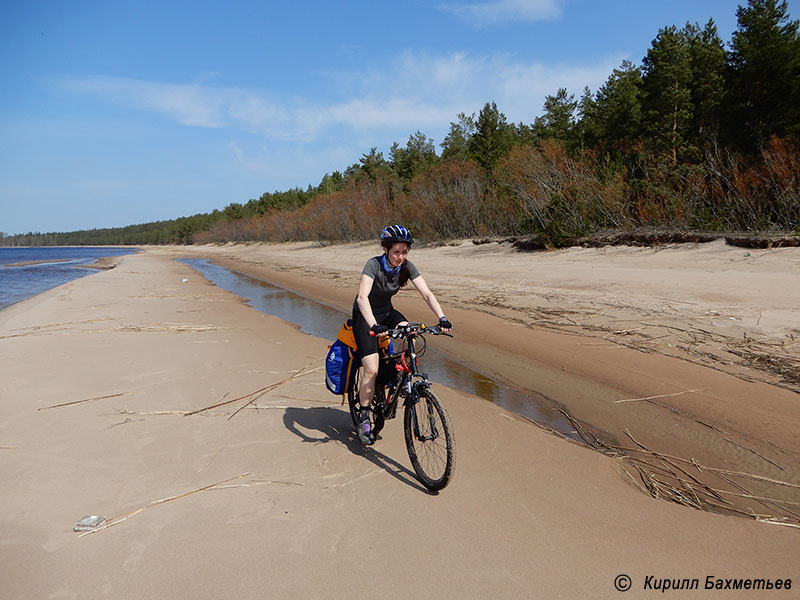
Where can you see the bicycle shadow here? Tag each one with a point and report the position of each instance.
(336, 426)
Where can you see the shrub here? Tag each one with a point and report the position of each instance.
(563, 197)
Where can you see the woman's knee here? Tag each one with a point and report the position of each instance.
(370, 365)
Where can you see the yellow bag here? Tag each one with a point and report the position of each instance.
(346, 336)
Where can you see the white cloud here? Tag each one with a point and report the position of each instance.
(416, 91)
(387, 113)
(420, 90)
(498, 11)
(257, 114)
(191, 105)
(289, 166)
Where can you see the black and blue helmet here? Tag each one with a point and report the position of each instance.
(396, 233)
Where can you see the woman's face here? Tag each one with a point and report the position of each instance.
(397, 253)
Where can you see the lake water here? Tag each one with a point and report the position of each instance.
(19, 283)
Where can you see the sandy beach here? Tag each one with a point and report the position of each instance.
(689, 351)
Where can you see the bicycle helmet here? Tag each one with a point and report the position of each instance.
(396, 233)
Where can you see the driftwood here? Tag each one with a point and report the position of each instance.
(76, 402)
(148, 413)
(712, 469)
(125, 516)
(253, 396)
(761, 456)
(666, 476)
(661, 396)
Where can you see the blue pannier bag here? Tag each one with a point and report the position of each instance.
(340, 363)
(338, 367)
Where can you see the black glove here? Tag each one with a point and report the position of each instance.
(444, 323)
(378, 329)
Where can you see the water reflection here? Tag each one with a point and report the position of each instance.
(323, 321)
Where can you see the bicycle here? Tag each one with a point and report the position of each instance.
(426, 424)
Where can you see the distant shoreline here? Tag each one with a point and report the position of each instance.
(28, 263)
(41, 269)
(103, 263)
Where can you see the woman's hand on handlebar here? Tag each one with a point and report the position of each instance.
(378, 329)
(438, 330)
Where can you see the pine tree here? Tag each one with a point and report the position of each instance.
(708, 61)
(667, 96)
(585, 130)
(558, 120)
(331, 183)
(764, 90)
(418, 155)
(373, 165)
(456, 142)
(614, 118)
(492, 139)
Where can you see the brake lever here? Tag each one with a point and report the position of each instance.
(436, 330)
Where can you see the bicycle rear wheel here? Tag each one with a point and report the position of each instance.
(429, 440)
(352, 399)
(378, 418)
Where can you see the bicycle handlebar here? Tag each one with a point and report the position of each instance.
(413, 329)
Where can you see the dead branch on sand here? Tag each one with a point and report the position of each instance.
(258, 482)
(761, 456)
(125, 516)
(663, 476)
(125, 422)
(661, 396)
(149, 413)
(76, 402)
(253, 396)
(706, 468)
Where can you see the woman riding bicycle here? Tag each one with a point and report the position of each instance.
(374, 315)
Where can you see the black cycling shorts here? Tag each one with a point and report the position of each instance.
(368, 344)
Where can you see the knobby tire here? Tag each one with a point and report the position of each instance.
(378, 419)
(434, 460)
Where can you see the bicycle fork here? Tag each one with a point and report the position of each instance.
(414, 399)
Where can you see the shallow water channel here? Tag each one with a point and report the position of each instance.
(322, 321)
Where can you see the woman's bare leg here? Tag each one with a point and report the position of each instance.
(369, 375)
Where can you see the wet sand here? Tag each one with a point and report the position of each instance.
(97, 377)
(102, 264)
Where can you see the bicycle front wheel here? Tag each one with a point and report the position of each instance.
(429, 440)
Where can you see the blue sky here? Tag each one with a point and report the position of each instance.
(114, 113)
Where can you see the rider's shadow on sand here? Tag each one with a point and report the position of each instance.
(319, 425)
